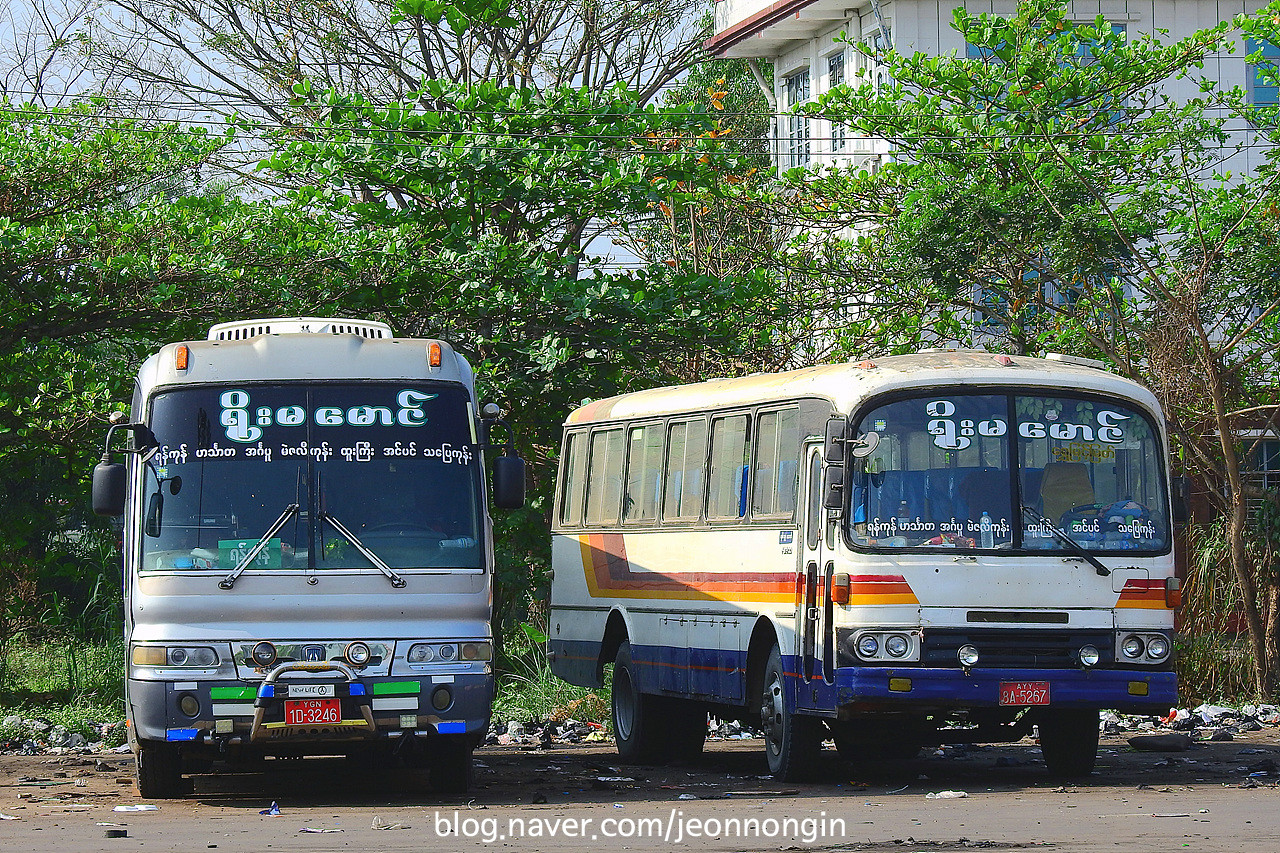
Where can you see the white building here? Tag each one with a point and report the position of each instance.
(806, 42)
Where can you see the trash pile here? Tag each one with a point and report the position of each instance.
(1205, 722)
(552, 732)
(29, 736)
(541, 735)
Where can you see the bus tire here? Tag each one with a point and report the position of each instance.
(159, 771)
(451, 765)
(635, 714)
(791, 741)
(1069, 741)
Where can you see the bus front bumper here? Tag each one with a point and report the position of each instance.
(905, 687)
(370, 708)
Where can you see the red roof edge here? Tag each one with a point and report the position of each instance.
(751, 26)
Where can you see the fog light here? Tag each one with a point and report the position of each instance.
(900, 685)
(1138, 688)
(263, 654)
(358, 654)
(441, 698)
(1089, 656)
(189, 705)
(968, 656)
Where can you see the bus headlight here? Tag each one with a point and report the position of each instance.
(421, 653)
(897, 645)
(1142, 648)
(868, 646)
(968, 655)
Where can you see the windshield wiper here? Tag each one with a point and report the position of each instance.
(1061, 536)
(230, 580)
(395, 579)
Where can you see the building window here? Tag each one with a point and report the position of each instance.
(796, 91)
(835, 77)
(1263, 91)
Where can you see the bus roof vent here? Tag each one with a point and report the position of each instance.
(1076, 359)
(240, 330)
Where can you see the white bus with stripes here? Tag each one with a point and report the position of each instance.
(940, 547)
(308, 554)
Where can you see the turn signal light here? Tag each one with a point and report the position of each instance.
(840, 588)
(181, 357)
(434, 355)
(1172, 592)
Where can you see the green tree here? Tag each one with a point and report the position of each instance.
(482, 198)
(1051, 194)
(103, 251)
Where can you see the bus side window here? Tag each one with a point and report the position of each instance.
(776, 481)
(730, 455)
(644, 474)
(574, 486)
(683, 475)
(604, 478)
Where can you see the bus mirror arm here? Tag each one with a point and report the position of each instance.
(109, 478)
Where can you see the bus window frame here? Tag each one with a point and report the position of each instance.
(668, 423)
(748, 459)
(799, 453)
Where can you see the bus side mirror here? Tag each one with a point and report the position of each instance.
(833, 488)
(508, 482)
(1181, 500)
(833, 447)
(108, 489)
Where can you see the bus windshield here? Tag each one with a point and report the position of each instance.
(337, 469)
(995, 471)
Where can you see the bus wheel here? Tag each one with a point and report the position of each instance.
(450, 770)
(634, 713)
(791, 741)
(1069, 741)
(159, 770)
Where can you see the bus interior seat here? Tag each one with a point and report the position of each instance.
(985, 490)
(1064, 486)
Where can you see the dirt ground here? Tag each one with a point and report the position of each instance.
(1218, 796)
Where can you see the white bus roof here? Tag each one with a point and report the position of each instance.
(846, 385)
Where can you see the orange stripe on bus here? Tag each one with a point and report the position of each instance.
(608, 574)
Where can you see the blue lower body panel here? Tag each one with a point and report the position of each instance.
(952, 688)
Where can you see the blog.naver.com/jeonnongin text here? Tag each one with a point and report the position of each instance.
(673, 828)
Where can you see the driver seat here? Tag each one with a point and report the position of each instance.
(1064, 486)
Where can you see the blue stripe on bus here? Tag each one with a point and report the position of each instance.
(709, 673)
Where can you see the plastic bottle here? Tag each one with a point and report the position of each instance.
(986, 535)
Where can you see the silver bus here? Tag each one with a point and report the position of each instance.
(308, 553)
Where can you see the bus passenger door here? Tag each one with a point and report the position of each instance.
(811, 616)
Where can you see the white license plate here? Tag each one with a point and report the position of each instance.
(318, 691)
